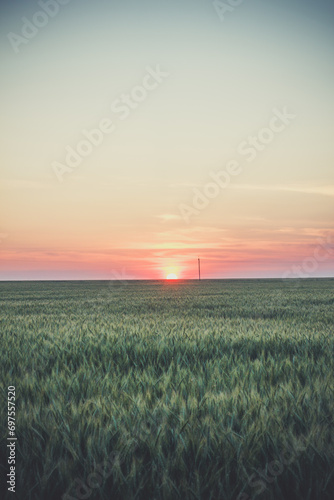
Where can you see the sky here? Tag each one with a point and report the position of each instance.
(139, 136)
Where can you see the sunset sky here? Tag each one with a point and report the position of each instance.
(180, 89)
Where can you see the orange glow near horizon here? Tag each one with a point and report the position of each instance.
(171, 276)
(235, 258)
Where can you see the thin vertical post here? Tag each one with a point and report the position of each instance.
(199, 269)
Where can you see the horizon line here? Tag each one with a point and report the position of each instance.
(163, 279)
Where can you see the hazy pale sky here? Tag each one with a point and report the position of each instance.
(183, 90)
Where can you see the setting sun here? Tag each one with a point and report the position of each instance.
(171, 276)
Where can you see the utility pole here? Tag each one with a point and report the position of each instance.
(199, 269)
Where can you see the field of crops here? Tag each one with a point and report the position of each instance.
(167, 390)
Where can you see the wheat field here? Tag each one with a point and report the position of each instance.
(219, 389)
